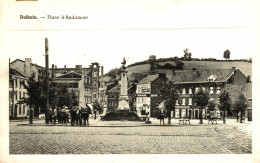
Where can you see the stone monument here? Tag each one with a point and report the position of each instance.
(123, 112)
(123, 101)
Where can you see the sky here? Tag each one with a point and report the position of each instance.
(131, 29)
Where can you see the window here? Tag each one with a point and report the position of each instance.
(183, 91)
(21, 85)
(190, 91)
(88, 80)
(177, 102)
(24, 94)
(190, 101)
(95, 74)
(15, 83)
(183, 101)
(20, 95)
(94, 95)
(87, 90)
(20, 109)
(211, 90)
(16, 95)
(218, 90)
(196, 89)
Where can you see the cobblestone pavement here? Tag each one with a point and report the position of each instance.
(132, 138)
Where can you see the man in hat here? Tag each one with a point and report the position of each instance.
(85, 111)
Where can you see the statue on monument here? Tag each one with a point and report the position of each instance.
(123, 101)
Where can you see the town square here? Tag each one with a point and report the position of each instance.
(129, 79)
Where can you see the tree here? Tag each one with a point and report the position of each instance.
(211, 105)
(169, 93)
(226, 54)
(187, 55)
(241, 105)
(201, 98)
(152, 61)
(59, 95)
(35, 95)
(224, 103)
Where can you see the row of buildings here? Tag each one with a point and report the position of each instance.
(212, 80)
(89, 86)
(86, 82)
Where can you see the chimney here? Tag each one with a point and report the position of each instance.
(198, 73)
(248, 79)
(78, 66)
(102, 71)
(52, 71)
(27, 67)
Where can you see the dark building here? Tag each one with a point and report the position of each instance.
(213, 81)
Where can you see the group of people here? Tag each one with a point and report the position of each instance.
(77, 115)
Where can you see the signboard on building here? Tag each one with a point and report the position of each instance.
(143, 88)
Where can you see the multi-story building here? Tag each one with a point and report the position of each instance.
(147, 93)
(212, 80)
(22, 70)
(83, 81)
(27, 68)
(112, 98)
(16, 93)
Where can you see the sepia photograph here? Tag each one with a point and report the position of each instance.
(129, 81)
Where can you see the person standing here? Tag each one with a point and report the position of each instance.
(85, 115)
(67, 114)
(79, 114)
(55, 115)
(59, 114)
(50, 115)
(63, 115)
(162, 115)
(73, 116)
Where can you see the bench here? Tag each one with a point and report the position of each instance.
(212, 120)
(184, 119)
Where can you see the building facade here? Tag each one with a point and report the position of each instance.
(20, 71)
(16, 93)
(212, 81)
(83, 81)
(147, 94)
(27, 68)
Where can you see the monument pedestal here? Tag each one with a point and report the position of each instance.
(123, 111)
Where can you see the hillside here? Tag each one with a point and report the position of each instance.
(144, 69)
(245, 67)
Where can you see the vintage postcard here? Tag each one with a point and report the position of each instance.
(129, 81)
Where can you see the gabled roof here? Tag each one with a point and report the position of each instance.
(70, 74)
(148, 79)
(16, 73)
(201, 75)
(115, 89)
(24, 61)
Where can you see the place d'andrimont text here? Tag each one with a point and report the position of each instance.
(53, 17)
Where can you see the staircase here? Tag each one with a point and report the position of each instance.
(121, 115)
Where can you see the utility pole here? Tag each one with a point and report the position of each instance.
(47, 79)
